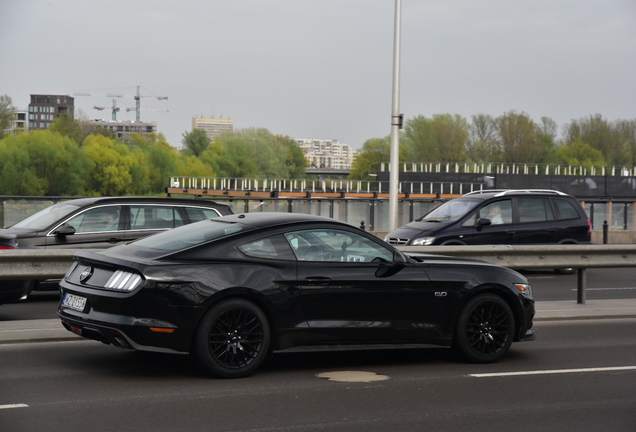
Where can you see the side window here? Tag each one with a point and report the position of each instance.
(275, 247)
(499, 212)
(331, 245)
(151, 217)
(196, 214)
(565, 209)
(471, 221)
(105, 218)
(534, 209)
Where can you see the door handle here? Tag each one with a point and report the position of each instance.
(318, 280)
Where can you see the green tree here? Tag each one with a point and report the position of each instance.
(6, 109)
(373, 151)
(600, 134)
(155, 162)
(42, 163)
(66, 126)
(518, 138)
(442, 138)
(195, 142)
(112, 162)
(483, 144)
(580, 153)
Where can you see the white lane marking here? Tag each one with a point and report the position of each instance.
(606, 289)
(14, 406)
(556, 371)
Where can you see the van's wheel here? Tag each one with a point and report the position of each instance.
(485, 329)
(232, 338)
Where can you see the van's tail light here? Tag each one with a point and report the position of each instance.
(7, 247)
(589, 228)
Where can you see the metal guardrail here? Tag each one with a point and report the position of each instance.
(52, 264)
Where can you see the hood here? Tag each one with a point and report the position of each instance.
(417, 229)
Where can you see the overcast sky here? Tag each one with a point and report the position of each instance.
(323, 68)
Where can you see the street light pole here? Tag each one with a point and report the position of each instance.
(396, 123)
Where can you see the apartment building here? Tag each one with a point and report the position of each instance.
(121, 129)
(213, 127)
(326, 153)
(17, 122)
(43, 109)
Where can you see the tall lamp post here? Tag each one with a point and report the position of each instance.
(396, 123)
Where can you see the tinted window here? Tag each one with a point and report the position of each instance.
(197, 214)
(189, 235)
(450, 210)
(566, 209)
(270, 247)
(499, 212)
(152, 217)
(97, 219)
(329, 245)
(534, 209)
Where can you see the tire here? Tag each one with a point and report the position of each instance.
(485, 329)
(232, 339)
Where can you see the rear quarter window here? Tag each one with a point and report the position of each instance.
(565, 209)
(534, 209)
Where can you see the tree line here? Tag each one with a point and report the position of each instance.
(510, 138)
(66, 160)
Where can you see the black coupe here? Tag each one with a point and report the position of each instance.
(231, 290)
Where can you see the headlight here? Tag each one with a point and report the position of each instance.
(423, 241)
(524, 288)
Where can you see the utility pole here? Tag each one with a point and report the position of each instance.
(396, 124)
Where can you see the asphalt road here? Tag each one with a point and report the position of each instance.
(619, 283)
(577, 376)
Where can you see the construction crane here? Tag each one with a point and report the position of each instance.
(115, 109)
(137, 98)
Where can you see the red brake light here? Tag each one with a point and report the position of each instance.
(6, 247)
(589, 228)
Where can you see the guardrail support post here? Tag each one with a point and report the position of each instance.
(580, 286)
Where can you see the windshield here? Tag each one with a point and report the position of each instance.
(190, 235)
(450, 210)
(47, 217)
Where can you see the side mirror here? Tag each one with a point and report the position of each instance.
(64, 230)
(483, 221)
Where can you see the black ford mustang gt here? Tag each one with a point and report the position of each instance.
(232, 289)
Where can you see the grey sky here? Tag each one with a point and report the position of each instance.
(323, 69)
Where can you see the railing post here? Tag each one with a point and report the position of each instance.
(605, 232)
(580, 286)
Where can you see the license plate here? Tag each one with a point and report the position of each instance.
(73, 302)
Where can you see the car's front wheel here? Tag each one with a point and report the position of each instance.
(232, 339)
(485, 329)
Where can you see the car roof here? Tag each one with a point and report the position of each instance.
(496, 193)
(81, 202)
(267, 219)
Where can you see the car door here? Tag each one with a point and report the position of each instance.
(501, 230)
(353, 289)
(537, 223)
(98, 227)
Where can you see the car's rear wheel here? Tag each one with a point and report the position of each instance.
(232, 339)
(485, 329)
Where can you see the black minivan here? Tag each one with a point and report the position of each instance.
(500, 217)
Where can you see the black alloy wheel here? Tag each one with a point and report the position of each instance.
(232, 339)
(485, 329)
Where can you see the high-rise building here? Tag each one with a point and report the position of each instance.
(43, 109)
(326, 153)
(213, 127)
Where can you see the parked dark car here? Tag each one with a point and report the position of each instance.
(499, 217)
(233, 289)
(99, 223)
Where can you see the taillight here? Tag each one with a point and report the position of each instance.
(589, 228)
(7, 247)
